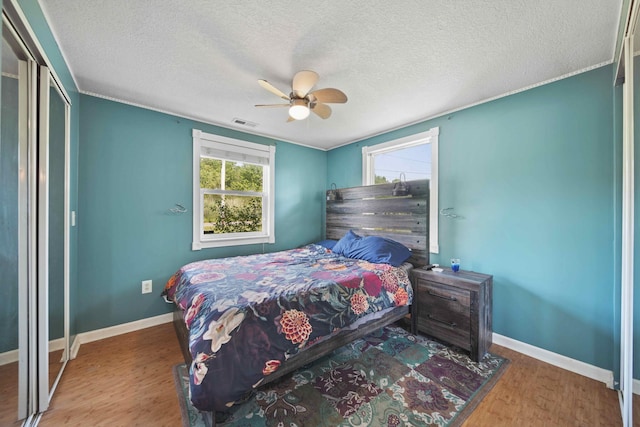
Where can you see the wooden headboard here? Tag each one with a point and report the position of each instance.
(372, 210)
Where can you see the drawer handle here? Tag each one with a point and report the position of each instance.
(450, 324)
(447, 297)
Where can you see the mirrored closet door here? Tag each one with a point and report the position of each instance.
(14, 343)
(58, 329)
(34, 225)
(628, 74)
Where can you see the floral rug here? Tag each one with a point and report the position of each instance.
(388, 378)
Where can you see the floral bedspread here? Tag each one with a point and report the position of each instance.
(246, 315)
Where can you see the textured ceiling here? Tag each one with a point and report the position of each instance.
(399, 62)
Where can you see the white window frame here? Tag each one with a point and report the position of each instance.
(428, 137)
(235, 147)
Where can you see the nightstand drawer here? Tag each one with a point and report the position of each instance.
(451, 332)
(436, 294)
(445, 312)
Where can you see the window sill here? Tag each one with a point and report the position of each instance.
(219, 243)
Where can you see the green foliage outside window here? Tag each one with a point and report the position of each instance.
(381, 179)
(232, 216)
(226, 213)
(238, 177)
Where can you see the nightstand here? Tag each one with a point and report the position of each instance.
(454, 307)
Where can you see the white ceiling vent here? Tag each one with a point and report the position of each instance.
(244, 122)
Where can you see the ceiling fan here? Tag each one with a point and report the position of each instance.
(302, 100)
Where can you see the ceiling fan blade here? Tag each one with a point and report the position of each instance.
(322, 110)
(272, 105)
(330, 95)
(268, 86)
(303, 81)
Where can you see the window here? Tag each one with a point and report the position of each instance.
(233, 184)
(417, 157)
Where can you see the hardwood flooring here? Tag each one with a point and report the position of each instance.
(120, 381)
(534, 393)
(8, 391)
(9, 387)
(127, 381)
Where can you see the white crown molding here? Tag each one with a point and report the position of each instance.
(435, 116)
(483, 101)
(197, 119)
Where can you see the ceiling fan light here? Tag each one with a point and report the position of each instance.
(299, 109)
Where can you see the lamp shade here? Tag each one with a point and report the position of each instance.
(299, 109)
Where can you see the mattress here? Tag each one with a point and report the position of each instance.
(248, 315)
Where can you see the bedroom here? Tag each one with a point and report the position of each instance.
(534, 176)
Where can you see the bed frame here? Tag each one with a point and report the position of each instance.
(367, 210)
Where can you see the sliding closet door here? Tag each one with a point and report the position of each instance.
(53, 244)
(627, 297)
(626, 310)
(43, 246)
(10, 230)
(58, 230)
(17, 160)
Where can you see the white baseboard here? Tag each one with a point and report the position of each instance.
(75, 347)
(12, 355)
(8, 357)
(112, 331)
(98, 334)
(636, 386)
(564, 362)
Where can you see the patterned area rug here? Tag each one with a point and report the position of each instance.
(388, 378)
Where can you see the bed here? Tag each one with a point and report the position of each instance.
(243, 322)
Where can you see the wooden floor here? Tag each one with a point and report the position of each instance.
(9, 388)
(127, 381)
(534, 393)
(120, 381)
(9, 393)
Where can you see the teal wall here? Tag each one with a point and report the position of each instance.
(532, 177)
(135, 164)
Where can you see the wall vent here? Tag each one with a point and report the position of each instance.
(243, 122)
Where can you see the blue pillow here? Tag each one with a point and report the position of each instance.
(329, 244)
(373, 249)
(343, 245)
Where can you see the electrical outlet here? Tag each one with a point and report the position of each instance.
(147, 286)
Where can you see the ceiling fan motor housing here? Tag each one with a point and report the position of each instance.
(304, 102)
